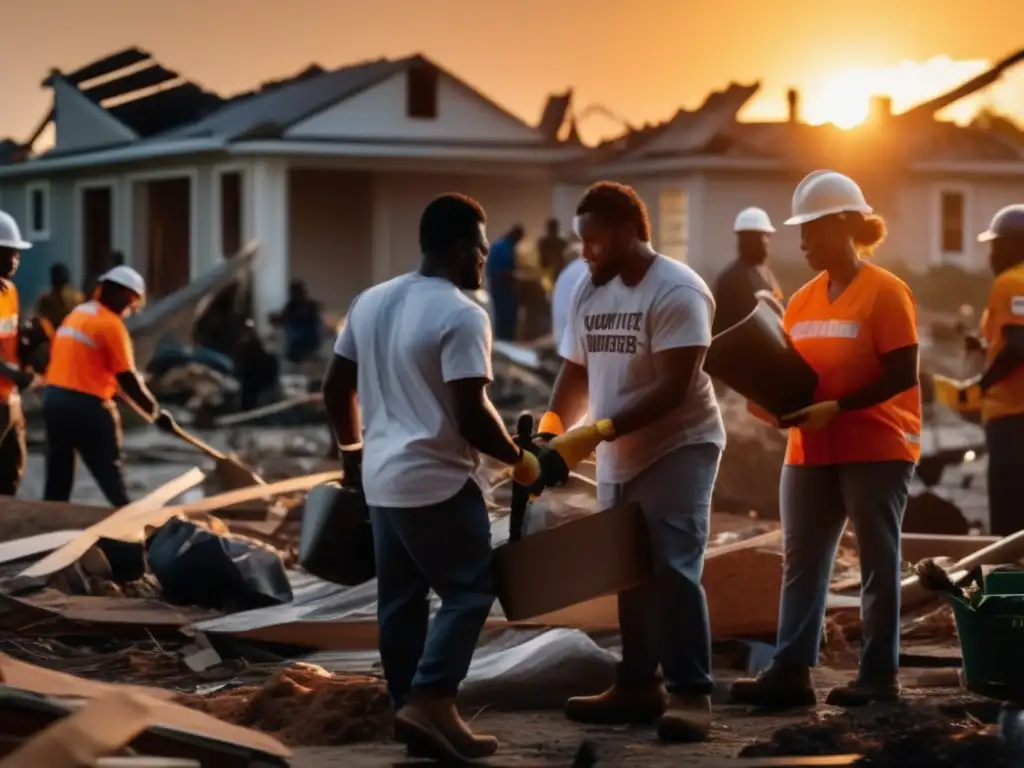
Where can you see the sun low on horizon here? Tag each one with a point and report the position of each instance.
(843, 97)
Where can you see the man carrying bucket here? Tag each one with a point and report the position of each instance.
(633, 352)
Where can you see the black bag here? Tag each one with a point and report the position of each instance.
(757, 359)
(231, 573)
(336, 543)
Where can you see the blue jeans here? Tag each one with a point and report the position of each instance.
(445, 547)
(815, 504)
(666, 620)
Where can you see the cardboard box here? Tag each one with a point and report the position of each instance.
(600, 554)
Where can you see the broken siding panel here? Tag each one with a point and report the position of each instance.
(380, 113)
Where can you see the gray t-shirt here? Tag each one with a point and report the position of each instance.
(411, 336)
(614, 331)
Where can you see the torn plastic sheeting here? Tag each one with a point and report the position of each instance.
(513, 668)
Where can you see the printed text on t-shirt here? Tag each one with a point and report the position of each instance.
(613, 332)
(825, 329)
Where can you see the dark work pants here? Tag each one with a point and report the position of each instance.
(12, 446)
(1005, 440)
(447, 548)
(815, 503)
(77, 423)
(666, 620)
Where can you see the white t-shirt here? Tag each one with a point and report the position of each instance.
(562, 293)
(409, 337)
(614, 331)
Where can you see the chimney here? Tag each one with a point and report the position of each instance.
(793, 99)
(880, 109)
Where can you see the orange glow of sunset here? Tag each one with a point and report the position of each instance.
(843, 96)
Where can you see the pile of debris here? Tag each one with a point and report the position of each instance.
(305, 705)
(903, 736)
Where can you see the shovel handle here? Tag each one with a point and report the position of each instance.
(520, 494)
(198, 444)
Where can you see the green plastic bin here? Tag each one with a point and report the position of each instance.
(991, 635)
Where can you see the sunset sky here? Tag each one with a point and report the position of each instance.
(642, 59)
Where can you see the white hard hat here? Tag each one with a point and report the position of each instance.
(10, 235)
(823, 193)
(125, 277)
(753, 220)
(1008, 222)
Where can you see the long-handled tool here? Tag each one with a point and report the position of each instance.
(520, 495)
(229, 473)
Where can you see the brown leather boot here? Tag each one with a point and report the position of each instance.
(619, 705)
(430, 726)
(778, 687)
(860, 693)
(687, 719)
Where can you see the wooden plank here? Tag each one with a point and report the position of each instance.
(69, 553)
(125, 528)
(918, 546)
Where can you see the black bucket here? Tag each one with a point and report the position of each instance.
(336, 543)
(757, 358)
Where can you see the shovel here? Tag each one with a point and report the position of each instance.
(228, 472)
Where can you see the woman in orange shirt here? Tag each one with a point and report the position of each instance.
(852, 454)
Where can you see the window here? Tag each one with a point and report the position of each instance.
(230, 213)
(673, 224)
(37, 213)
(421, 82)
(951, 222)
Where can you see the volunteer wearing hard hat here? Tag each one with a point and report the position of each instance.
(999, 391)
(740, 283)
(851, 455)
(633, 354)
(12, 377)
(91, 358)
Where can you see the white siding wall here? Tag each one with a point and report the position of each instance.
(380, 114)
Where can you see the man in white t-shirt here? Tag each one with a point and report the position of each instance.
(565, 289)
(634, 352)
(415, 354)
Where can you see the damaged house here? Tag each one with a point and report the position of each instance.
(936, 183)
(329, 169)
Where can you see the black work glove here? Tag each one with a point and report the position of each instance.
(544, 437)
(553, 470)
(352, 465)
(165, 422)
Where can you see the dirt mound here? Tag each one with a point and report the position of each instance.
(902, 736)
(304, 705)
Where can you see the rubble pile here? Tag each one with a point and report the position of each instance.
(304, 705)
(748, 477)
(902, 736)
(195, 387)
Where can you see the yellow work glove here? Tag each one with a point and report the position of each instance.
(527, 471)
(577, 444)
(812, 417)
(961, 396)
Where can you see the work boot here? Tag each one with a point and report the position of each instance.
(860, 693)
(778, 687)
(619, 705)
(430, 726)
(687, 719)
